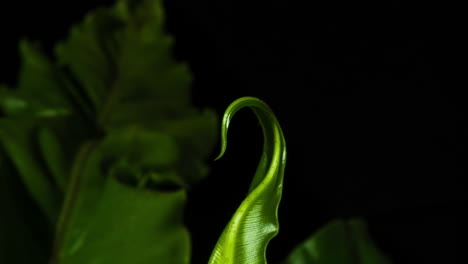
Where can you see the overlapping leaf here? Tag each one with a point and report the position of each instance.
(38, 101)
(94, 131)
(115, 222)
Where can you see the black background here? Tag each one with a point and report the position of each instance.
(361, 90)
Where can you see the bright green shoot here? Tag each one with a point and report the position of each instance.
(255, 223)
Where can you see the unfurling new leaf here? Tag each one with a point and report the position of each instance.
(255, 223)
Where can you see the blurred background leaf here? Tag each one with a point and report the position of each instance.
(115, 222)
(338, 242)
(106, 129)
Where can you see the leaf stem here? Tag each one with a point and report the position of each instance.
(70, 199)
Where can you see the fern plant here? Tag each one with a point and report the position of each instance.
(104, 141)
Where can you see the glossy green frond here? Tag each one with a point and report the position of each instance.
(255, 223)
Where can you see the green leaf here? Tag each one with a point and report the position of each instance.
(109, 124)
(138, 154)
(121, 58)
(17, 139)
(112, 222)
(255, 223)
(338, 242)
(39, 92)
(39, 100)
(151, 140)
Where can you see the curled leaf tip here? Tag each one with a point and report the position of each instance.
(256, 217)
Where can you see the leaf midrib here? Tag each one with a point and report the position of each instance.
(70, 198)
